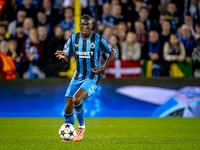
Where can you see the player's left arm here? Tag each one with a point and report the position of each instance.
(109, 49)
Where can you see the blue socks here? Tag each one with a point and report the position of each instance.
(80, 115)
(69, 118)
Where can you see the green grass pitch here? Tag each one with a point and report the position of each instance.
(102, 134)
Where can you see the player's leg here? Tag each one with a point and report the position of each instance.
(69, 108)
(78, 105)
(69, 111)
(77, 99)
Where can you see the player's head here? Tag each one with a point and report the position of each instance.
(86, 24)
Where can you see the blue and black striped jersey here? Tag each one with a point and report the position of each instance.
(86, 52)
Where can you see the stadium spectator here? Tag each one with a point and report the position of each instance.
(21, 15)
(138, 5)
(57, 42)
(30, 10)
(196, 59)
(130, 49)
(106, 19)
(187, 40)
(67, 34)
(189, 44)
(196, 34)
(134, 15)
(49, 64)
(91, 8)
(114, 2)
(35, 3)
(32, 53)
(188, 19)
(152, 6)
(32, 48)
(116, 14)
(171, 11)
(164, 37)
(68, 22)
(143, 17)
(165, 34)
(127, 10)
(42, 20)
(7, 65)
(196, 16)
(158, 23)
(50, 12)
(141, 33)
(13, 50)
(162, 18)
(20, 37)
(28, 24)
(113, 40)
(106, 33)
(3, 32)
(174, 52)
(121, 31)
(43, 37)
(151, 53)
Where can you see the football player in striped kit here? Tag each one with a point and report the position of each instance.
(86, 46)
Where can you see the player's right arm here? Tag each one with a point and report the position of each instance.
(65, 55)
(62, 55)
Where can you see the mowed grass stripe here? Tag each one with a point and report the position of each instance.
(102, 133)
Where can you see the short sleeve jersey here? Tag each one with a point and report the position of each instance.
(87, 53)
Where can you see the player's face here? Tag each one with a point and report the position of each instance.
(85, 27)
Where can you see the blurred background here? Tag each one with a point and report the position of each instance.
(155, 73)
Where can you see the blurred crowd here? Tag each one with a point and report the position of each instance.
(163, 34)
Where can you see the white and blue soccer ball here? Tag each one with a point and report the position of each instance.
(67, 132)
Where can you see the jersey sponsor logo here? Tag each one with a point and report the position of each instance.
(84, 54)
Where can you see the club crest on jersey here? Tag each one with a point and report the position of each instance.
(76, 45)
(92, 46)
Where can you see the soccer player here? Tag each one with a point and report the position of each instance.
(86, 46)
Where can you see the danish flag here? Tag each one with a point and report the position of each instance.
(120, 68)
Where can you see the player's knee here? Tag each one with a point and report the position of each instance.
(76, 100)
(68, 110)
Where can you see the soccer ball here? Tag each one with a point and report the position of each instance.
(67, 132)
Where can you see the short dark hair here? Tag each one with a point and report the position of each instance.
(172, 3)
(143, 7)
(41, 10)
(167, 20)
(140, 1)
(173, 33)
(86, 17)
(19, 25)
(41, 26)
(188, 14)
(4, 26)
(69, 8)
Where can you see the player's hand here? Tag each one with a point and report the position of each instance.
(60, 54)
(98, 70)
